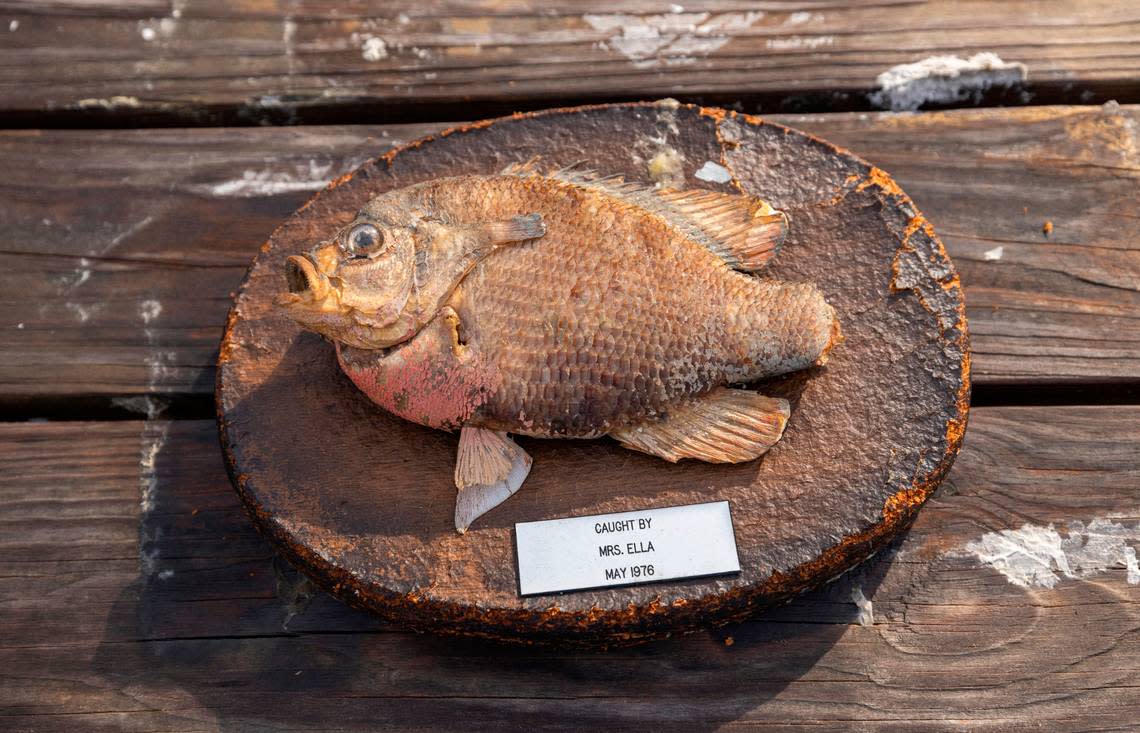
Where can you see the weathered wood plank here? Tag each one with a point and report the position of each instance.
(1062, 306)
(313, 60)
(117, 257)
(120, 253)
(136, 595)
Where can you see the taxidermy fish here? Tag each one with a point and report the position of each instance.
(563, 305)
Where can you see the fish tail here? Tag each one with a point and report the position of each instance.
(789, 327)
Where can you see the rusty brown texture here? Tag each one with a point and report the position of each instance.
(361, 501)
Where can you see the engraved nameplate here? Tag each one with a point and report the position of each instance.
(647, 546)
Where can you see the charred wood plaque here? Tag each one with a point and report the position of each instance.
(362, 501)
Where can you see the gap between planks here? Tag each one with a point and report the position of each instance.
(401, 112)
(198, 406)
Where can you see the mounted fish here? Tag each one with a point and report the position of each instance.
(562, 305)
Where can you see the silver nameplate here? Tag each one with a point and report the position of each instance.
(605, 550)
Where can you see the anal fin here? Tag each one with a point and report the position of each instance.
(489, 468)
(744, 231)
(723, 426)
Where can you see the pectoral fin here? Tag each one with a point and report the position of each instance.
(724, 426)
(489, 468)
(515, 229)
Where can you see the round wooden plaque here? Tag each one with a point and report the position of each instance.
(362, 501)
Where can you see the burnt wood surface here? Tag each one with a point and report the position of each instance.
(82, 62)
(170, 614)
(133, 240)
(362, 501)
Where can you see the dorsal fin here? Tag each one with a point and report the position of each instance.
(743, 231)
(746, 231)
(529, 167)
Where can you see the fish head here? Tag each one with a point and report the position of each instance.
(353, 288)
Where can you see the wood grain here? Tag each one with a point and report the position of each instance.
(1057, 307)
(133, 242)
(136, 596)
(209, 61)
(116, 228)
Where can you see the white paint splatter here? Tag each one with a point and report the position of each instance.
(84, 272)
(676, 9)
(149, 310)
(714, 172)
(13, 26)
(153, 439)
(797, 42)
(993, 255)
(798, 18)
(944, 79)
(264, 183)
(114, 102)
(268, 182)
(148, 559)
(19, 326)
(673, 38)
(152, 407)
(158, 364)
(154, 434)
(152, 444)
(165, 574)
(403, 19)
(83, 313)
(1039, 556)
(71, 281)
(128, 232)
(374, 49)
(151, 31)
(866, 610)
(288, 33)
(157, 360)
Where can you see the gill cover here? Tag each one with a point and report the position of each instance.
(380, 279)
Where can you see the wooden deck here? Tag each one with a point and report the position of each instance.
(134, 593)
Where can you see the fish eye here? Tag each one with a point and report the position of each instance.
(364, 240)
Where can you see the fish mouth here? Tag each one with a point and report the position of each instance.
(301, 275)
